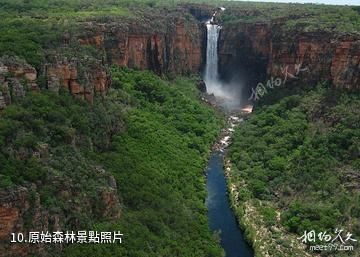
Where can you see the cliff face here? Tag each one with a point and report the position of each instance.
(84, 81)
(16, 208)
(244, 50)
(243, 37)
(321, 56)
(345, 66)
(166, 45)
(312, 52)
(176, 50)
(308, 57)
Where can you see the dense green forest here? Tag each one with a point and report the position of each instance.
(300, 155)
(152, 135)
(158, 163)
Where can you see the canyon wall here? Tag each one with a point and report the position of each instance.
(172, 44)
(176, 44)
(177, 49)
(304, 56)
(243, 55)
(174, 48)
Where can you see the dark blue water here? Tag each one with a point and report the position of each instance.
(220, 214)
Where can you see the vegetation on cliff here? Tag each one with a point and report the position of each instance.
(151, 135)
(295, 17)
(30, 28)
(300, 156)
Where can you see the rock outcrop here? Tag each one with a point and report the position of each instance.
(16, 78)
(83, 78)
(166, 45)
(201, 86)
(345, 65)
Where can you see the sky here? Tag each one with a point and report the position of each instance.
(339, 2)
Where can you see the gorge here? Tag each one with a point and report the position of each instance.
(102, 126)
(248, 52)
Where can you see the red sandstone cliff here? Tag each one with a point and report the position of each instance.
(319, 56)
(176, 49)
(345, 65)
(322, 56)
(81, 80)
(165, 45)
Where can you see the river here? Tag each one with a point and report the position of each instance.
(220, 214)
(221, 217)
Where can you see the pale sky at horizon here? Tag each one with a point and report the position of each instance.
(336, 2)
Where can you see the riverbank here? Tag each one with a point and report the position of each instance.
(259, 219)
(222, 219)
(297, 156)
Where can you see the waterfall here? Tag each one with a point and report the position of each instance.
(227, 94)
(211, 77)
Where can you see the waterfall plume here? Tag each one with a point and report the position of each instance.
(227, 94)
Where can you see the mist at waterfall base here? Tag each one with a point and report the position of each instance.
(228, 94)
